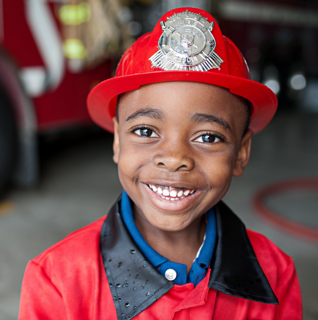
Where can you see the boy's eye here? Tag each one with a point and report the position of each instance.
(208, 138)
(146, 132)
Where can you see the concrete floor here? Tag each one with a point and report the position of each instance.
(79, 184)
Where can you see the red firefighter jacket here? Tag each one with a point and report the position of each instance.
(98, 273)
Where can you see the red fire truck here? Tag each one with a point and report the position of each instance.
(43, 82)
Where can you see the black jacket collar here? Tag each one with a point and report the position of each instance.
(135, 284)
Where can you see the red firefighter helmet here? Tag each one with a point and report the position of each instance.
(185, 45)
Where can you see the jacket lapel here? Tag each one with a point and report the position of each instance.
(235, 269)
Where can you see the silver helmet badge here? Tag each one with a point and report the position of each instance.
(186, 44)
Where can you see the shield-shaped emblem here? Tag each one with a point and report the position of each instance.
(186, 43)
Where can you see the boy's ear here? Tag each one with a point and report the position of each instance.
(243, 154)
(116, 147)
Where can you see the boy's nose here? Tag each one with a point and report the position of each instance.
(174, 160)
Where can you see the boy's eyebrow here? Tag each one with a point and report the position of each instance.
(148, 112)
(202, 117)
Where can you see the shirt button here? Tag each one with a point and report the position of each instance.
(170, 274)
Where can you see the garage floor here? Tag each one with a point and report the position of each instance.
(79, 184)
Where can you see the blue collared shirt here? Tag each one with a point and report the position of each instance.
(162, 264)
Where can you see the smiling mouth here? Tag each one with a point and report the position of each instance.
(170, 193)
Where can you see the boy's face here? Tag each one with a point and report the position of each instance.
(177, 146)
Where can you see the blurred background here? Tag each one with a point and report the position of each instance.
(56, 169)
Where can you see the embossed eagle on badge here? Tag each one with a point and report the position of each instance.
(186, 43)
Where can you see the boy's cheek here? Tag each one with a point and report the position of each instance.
(132, 155)
(219, 165)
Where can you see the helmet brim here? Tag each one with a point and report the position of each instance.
(103, 97)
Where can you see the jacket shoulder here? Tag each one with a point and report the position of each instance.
(78, 245)
(272, 259)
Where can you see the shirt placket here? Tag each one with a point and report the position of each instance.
(188, 307)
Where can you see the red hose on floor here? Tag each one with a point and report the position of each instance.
(291, 226)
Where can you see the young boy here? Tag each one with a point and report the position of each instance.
(183, 111)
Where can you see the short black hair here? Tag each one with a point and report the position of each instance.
(117, 105)
(247, 109)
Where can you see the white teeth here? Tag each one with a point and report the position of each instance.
(173, 193)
